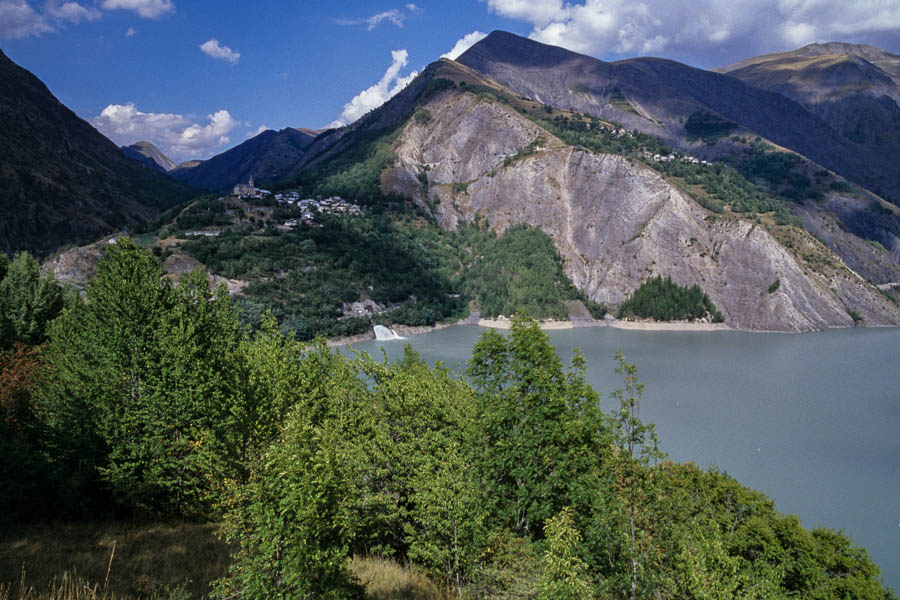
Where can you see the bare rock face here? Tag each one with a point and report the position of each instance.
(76, 266)
(617, 222)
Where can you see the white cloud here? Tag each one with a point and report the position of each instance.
(632, 27)
(71, 11)
(177, 135)
(464, 43)
(130, 32)
(259, 130)
(391, 83)
(393, 16)
(18, 20)
(213, 49)
(149, 9)
(414, 8)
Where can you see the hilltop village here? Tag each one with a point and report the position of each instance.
(283, 210)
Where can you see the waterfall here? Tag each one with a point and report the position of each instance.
(383, 334)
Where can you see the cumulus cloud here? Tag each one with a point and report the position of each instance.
(464, 43)
(130, 32)
(18, 19)
(258, 131)
(71, 11)
(177, 135)
(626, 27)
(149, 9)
(414, 8)
(389, 84)
(213, 49)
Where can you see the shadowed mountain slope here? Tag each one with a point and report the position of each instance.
(267, 157)
(854, 88)
(61, 181)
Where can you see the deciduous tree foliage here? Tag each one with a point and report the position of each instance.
(141, 389)
(541, 429)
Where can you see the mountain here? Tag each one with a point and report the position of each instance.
(465, 147)
(61, 181)
(150, 155)
(267, 157)
(854, 88)
(664, 98)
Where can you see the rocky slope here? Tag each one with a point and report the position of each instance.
(616, 221)
(76, 266)
(659, 97)
(61, 181)
(267, 157)
(150, 155)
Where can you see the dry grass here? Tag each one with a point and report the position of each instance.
(107, 560)
(386, 580)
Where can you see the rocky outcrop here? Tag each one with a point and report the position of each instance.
(76, 266)
(616, 222)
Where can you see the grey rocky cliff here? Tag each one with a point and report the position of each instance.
(616, 222)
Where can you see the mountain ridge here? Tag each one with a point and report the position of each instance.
(267, 156)
(640, 226)
(62, 181)
(657, 96)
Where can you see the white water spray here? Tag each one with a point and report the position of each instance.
(383, 334)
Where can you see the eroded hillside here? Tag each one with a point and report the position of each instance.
(616, 221)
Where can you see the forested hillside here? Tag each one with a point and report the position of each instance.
(509, 482)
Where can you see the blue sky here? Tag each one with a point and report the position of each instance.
(199, 77)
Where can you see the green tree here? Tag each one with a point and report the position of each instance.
(140, 384)
(541, 429)
(296, 519)
(565, 574)
(424, 499)
(28, 302)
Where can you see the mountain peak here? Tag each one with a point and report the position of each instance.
(505, 47)
(149, 154)
(870, 53)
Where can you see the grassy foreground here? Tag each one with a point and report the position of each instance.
(122, 560)
(107, 560)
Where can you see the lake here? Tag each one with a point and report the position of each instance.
(812, 420)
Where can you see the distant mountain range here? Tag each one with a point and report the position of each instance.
(500, 135)
(659, 96)
(268, 156)
(61, 181)
(854, 88)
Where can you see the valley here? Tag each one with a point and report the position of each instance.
(166, 330)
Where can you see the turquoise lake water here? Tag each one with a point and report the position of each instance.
(812, 420)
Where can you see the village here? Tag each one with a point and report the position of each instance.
(283, 210)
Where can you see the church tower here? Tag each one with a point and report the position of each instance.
(251, 184)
